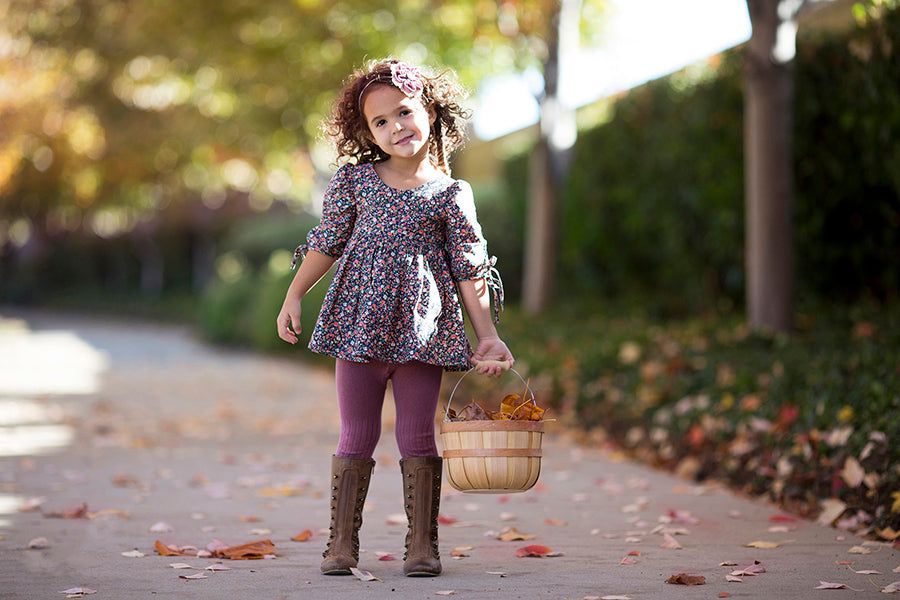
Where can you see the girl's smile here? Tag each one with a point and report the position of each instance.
(398, 124)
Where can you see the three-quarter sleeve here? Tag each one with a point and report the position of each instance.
(466, 246)
(330, 236)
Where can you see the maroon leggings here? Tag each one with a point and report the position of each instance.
(360, 391)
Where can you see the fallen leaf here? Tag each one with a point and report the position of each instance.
(364, 575)
(444, 593)
(683, 516)
(302, 536)
(194, 576)
(38, 543)
(724, 595)
(550, 521)
(762, 545)
(832, 508)
(181, 566)
(511, 534)
(670, 543)
(279, 492)
(217, 567)
(133, 554)
(824, 585)
(160, 527)
(535, 550)
(627, 560)
(783, 519)
(260, 531)
(896, 569)
(165, 550)
(853, 473)
(464, 548)
(734, 579)
(123, 480)
(249, 551)
(891, 588)
(754, 569)
(859, 550)
(727, 563)
(79, 512)
(868, 572)
(458, 554)
(396, 519)
(615, 597)
(446, 520)
(685, 579)
(78, 592)
(888, 533)
(109, 512)
(249, 519)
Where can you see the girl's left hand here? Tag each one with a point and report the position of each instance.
(492, 349)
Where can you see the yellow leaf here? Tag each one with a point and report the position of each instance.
(509, 403)
(762, 545)
(895, 507)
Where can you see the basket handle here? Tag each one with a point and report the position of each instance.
(504, 364)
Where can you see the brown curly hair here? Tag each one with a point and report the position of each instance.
(348, 129)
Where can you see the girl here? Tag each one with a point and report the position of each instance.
(408, 247)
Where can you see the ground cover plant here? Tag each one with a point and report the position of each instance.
(809, 420)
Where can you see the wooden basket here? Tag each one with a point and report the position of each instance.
(492, 457)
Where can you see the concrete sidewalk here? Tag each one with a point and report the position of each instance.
(164, 438)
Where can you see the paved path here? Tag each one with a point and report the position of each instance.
(151, 429)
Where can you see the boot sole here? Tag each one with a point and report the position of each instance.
(337, 572)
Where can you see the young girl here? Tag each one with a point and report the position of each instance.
(408, 247)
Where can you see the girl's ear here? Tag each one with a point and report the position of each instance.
(432, 114)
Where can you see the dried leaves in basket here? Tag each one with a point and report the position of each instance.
(512, 408)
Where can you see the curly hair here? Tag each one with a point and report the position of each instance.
(347, 126)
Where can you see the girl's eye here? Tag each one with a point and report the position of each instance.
(405, 112)
(380, 123)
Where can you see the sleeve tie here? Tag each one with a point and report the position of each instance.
(492, 278)
(299, 255)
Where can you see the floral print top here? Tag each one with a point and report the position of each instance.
(393, 296)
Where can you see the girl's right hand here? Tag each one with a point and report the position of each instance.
(288, 321)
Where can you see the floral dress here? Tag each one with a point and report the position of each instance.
(393, 296)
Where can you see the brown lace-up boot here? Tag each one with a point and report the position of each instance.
(349, 486)
(422, 498)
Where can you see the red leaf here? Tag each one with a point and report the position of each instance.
(533, 550)
(783, 519)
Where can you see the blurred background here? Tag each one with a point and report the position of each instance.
(161, 160)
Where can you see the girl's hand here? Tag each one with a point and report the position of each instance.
(492, 349)
(288, 321)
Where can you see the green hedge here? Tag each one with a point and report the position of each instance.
(654, 206)
(240, 306)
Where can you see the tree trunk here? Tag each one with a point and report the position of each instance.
(549, 165)
(768, 158)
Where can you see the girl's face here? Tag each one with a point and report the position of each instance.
(399, 125)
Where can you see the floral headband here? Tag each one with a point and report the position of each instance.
(405, 77)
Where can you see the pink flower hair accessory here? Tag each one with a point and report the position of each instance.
(407, 78)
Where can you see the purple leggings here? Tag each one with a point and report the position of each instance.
(360, 391)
